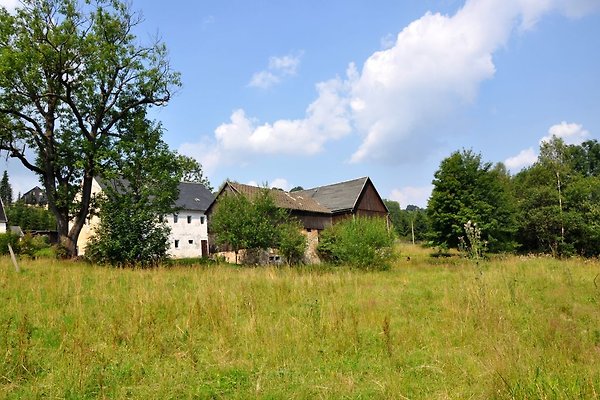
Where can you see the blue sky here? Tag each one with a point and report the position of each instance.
(309, 92)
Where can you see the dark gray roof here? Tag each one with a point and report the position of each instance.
(337, 197)
(194, 196)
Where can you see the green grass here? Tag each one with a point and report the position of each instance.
(431, 328)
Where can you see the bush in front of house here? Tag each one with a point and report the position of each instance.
(35, 246)
(6, 239)
(365, 243)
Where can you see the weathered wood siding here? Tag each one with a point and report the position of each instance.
(312, 220)
(369, 205)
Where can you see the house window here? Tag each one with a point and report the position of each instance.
(176, 243)
(175, 218)
(191, 241)
(189, 218)
(202, 220)
(308, 230)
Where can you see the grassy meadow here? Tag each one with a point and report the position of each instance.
(430, 328)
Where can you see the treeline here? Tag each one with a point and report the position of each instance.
(551, 207)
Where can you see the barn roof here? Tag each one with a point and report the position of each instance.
(282, 199)
(337, 197)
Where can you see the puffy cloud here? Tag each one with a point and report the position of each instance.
(436, 65)
(325, 119)
(279, 67)
(412, 195)
(264, 80)
(571, 133)
(286, 65)
(280, 183)
(10, 4)
(401, 94)
(524, 159)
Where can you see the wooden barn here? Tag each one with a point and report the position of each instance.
(316, 208)
(356, 197)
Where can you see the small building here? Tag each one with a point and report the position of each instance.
(189, 233)
(312, 216)
(189, 226)
(316, 208)
(35, 196)
(3, 219)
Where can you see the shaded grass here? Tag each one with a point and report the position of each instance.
(429, 328)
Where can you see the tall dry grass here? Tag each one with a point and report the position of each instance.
(429, 328)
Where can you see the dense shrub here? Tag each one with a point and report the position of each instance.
(366, 243)
(6, 239)
(35, 246)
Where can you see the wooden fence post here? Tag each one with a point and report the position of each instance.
(14, 259)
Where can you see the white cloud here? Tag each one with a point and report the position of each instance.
(524, 159)
(325, 119)
(387, 41)
(434, 66)
(412, 195)
(279, 183)
(10, 5)
(264, 80)
(571, 133)
(285, 65)
(279, 68)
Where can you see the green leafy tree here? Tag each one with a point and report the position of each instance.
(254, 225)
(231, 223)
(292, 243)
(585, 158)
(558, 201)
(192, 171)
(70, 72)
(5, 190)
(468, 189)
(30, 218)
(396, 217)
(142, 186)
(419, 222)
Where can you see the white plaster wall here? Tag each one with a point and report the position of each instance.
(90, 224)
(196, 231)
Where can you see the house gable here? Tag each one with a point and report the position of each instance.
(354, 197)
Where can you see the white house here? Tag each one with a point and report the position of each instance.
(3, 218)
(189, 233)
